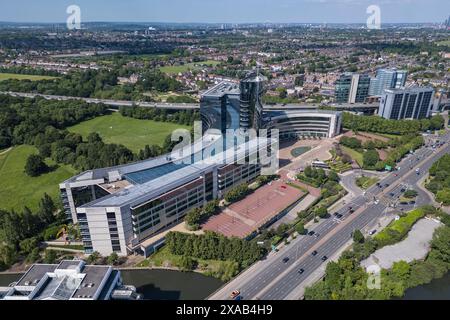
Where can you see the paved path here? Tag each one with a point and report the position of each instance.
(7, 150)
(415, 247)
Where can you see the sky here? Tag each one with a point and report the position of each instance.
(226, 11)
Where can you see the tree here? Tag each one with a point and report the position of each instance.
(35, 166)
(94, 257)
(322, 212)
(410, 193)
(358, 237)
(300, 228)
(50, 256)
(370, 158)
(444, 196)
(113, 259)
(187, 263)
(27, 245)
(46, 210)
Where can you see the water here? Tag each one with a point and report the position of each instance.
(438, 289)
(158, 284)
(171, 285)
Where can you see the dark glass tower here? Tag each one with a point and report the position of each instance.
(251, 108)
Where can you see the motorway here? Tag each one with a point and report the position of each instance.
(273, 279)
(108, 102)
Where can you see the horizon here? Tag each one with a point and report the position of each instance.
(228, 12)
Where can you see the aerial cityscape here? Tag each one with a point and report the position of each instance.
(224, 151)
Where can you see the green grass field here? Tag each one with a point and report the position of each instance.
(443, 43)
(188, 66)
(8, 76)
(358, 157)
(18, 189)
(132, 133)
(366, 182)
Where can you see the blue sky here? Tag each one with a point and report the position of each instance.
(237, 11)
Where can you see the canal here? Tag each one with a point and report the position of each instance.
(174, 285)
(158, 284)
(438, 289)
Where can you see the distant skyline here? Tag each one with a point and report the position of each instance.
(226, 11)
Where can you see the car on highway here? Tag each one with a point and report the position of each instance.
(314, 253)
(301, 271)
(235, 295)
(392, 194)
(339, 216)
(317, 235)
(311, 233)
(285, 259)
(324, 258)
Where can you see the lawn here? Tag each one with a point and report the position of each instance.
(188, 66)
(130, 132)
(8, 76)
(355, 155)
(18, 189)
(366, 182)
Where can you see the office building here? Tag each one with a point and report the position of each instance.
(128, 209)
(251, 108)
(352, 88)
(387, 79)
(69, 280)
(406, 103)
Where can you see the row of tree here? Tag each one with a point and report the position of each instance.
(184, 117)
(21, 120)
(212, 246)
(380, 125)
(21, 232)
(439, 182)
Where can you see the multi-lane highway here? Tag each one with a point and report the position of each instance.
(108, 102)
(276, 277)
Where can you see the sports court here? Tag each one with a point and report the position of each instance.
(242, 218)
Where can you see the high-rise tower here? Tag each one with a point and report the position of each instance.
(251, 108)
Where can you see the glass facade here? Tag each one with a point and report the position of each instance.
(251, 108)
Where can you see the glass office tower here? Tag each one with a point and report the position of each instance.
(387, 79)
(251, 108)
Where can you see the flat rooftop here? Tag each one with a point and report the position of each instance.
(172, 176)
(35, 274)
(221, 89)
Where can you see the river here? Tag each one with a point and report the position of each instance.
(158, 284)
(174, 285)
(438, 289)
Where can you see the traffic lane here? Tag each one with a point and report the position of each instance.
(310, 263)
(293, 253)
(299, 249)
